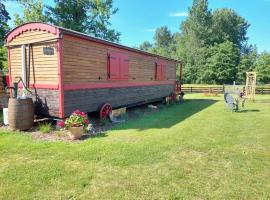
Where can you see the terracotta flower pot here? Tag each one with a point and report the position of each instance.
(76, 132)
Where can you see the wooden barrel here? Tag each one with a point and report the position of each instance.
(20, 114)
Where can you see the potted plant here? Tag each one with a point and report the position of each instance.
(76, 124)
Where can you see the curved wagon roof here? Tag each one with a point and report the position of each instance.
(59, 31)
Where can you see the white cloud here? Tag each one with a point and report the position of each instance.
(178, 14)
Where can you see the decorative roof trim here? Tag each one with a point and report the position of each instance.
(31, 26)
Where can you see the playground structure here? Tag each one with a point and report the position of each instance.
(250, 88)
(235, 94)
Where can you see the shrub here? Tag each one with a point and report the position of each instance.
(45, 127)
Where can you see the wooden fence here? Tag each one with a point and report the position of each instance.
(220, 89)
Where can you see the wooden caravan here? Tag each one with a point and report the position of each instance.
(68, 70)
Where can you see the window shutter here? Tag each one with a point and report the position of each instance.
(158, 70)
(163, 74)
(124, 67)
(113, 66)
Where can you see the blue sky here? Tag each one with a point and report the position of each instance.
(137, 19)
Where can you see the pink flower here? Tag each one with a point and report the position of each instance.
(77, 112)
(86, 121)
(61, 124)
(83, 114)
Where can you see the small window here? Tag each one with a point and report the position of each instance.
(48, 51)
(118, 66)
(160, 71)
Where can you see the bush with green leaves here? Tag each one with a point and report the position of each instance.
(45, 127)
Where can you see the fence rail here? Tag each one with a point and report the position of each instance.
(220, 89)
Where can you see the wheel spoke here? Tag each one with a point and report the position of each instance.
(105, 111)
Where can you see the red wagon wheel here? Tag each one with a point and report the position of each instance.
(105, 111)
(173, 96)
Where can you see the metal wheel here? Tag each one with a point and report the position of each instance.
(105, 111)
(173, 97)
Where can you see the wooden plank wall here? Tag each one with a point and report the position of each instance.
(86, 61)
(32, 36)
(44, 68)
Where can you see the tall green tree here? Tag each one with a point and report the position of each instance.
(87, 16)
(196, 30)
(197, 27)
(247, 63)
(162, 41)
(262, 67)
(33, 11)
(227, 25)
(162, 37)
(4, 17)
(221, 65)
(145, 46)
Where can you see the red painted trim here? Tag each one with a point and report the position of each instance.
(41, 86)
(31, 26)
(81, 86)
(60, 78)
(9, 71)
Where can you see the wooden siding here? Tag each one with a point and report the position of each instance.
(32, 36)
(46, 102)
(92, 100)
(43, 68)
(86, 61)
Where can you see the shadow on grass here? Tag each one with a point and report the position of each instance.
(98, 135)
(245, 111)
(167, 116)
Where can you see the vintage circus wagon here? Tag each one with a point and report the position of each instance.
(68, 70)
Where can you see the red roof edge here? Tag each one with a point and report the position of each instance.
(31, 26)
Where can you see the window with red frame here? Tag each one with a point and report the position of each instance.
(160, 71)
(117, 66)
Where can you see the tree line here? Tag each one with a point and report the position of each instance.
(213, 46)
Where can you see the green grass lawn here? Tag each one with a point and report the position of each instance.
(197, 150)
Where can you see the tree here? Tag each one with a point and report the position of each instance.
(145, 46)
(33, 11)
(221, 65)
(229, 26)
(4, 17)
(196, 35)
(198, 24)
(263, 68)
(90, 17)
(247, 63)
(162, 37)
(164, 42)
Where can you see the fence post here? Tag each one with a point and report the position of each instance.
(223, 88)
(191, 89)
